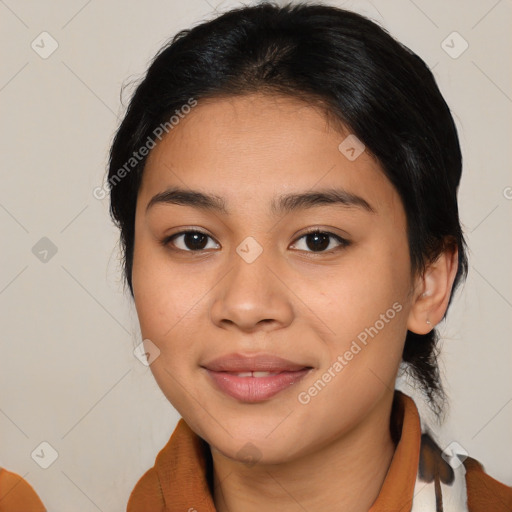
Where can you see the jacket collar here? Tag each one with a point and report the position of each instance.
(184, 465)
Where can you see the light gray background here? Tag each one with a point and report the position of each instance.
(68, 374)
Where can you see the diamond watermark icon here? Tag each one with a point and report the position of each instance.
(44, 250)
(351, 147)
(146, 352)
(454, 454)
(249, 249)
(454, 45)
(44, 455)
(44, 45)
(249, 453)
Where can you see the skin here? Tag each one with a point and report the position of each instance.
(292, 301)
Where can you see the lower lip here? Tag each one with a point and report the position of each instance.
(255, 389)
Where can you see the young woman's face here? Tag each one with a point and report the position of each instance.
(325, 314)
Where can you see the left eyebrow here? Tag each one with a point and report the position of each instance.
(284, 204)
(334, 196)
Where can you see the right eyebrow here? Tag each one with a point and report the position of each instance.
(175, 195)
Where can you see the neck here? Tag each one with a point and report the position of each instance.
(344, 474)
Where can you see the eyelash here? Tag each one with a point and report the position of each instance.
(343, 243)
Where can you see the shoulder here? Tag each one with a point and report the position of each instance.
(484, 492)
(17, 495)
(146, 493)
(154, 486)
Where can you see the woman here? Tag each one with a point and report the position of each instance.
(285, 184)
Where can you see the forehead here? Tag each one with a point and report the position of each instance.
(250, 149)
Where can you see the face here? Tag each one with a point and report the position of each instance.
(279, 298)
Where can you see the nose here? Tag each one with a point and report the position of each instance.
(252, 297)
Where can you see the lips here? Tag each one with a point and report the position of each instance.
(257, 363)
(254, 378)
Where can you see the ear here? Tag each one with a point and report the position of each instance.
(432, 292)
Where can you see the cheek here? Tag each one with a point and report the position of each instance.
(366, 307)
(365, 287)
(166, 298)
(167, 301)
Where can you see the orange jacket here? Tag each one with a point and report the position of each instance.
(16, 495)
(179, 480)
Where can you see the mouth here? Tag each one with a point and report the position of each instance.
(254, 378)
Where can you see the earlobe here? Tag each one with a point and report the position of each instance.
(432, 292)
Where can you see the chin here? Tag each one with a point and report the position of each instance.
(253, 451)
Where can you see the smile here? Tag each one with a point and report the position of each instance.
(254, 378)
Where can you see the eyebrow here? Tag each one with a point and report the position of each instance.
(284, 204)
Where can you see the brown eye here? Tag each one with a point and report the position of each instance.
(321, 241)
(190, 241)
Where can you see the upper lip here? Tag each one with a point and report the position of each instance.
(253, 363)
